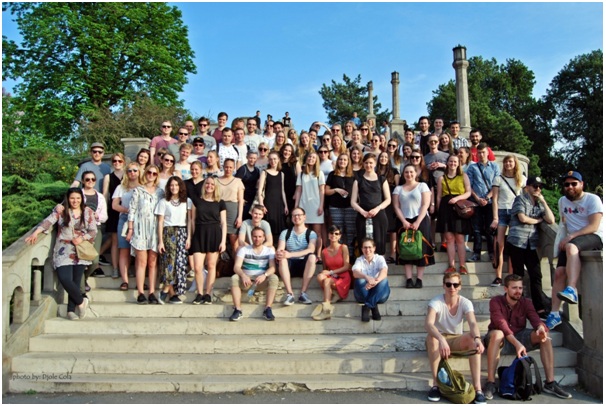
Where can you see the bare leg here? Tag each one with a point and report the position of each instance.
(450, 248)
(546, 351)
(420, 272)
(573, 264)
(393, 244)
(124, 261)
(199, 258)
(326, 282)
(152, 266)
(140, 264)
(433, 353)
(460, 240)
(499, 254)
(408, 271)
(493, 353)
(308, 273)
(559, 283)
(285, 275)
(236, 294)
(211, 267)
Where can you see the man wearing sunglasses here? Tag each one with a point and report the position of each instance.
(161, 141)
(95, 165)
(528, 210)
(210, 144)
(444, 325)
(582, 214)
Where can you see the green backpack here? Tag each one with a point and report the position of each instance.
(410, 245)
(456, 389)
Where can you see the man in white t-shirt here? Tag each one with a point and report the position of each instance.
(582, 213)
(254, 269)
(444, 325)
(252, 139)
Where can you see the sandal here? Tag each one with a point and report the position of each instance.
(124, 286)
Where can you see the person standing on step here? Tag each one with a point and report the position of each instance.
(209, 237)
(174, 239)
(335, 276)
(457, 142)
(444, 325)
(528, 210)
(254, 270)
(582, 213)
(296, 256)
(96, 165)
(411, 203)
(96, 202)
(75, 223)
(507, 334)
(453, 186)
(371, 286)
(161, 141)
(481, 176)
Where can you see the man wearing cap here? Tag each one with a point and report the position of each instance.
(582, 214)
(95, 165)
(528, 210)
(199, 151)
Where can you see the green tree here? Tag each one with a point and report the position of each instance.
(575, 97)
(501, 106)
(78, 58)
(341, 100)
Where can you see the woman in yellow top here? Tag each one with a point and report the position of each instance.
(453, 186)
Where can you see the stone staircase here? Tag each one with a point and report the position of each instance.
(125, 347)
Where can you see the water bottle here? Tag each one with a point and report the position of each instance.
(369, 228)
(252, 289)
(443, 376)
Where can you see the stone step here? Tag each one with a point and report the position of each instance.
(254, 343)
(395, 279)
(246, 326)
(314, 292)
(133, 383)
(249, 364)
(254, 310)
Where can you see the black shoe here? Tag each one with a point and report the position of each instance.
(103, 261)
(268, 315)
(141, 299)
(409, 284)
(419, 284)
(555, 389)
(365, 314)
(434, 394)
(497, 282)
(98, 273)
(198, 300)
(236, 315)
(375, 313)
(175, 300)
(207, 300)
(152, 299)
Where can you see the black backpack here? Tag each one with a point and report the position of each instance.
(516, 379)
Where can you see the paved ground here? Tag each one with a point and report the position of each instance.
(366, 397)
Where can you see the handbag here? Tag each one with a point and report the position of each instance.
(452, 383)
(410, 245)
(465, 209)
(86, 250)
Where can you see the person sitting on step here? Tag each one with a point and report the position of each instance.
(371, 286)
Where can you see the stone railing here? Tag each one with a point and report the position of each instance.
(29, 295)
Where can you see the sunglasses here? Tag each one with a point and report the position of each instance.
(432, 142)
(198, 145)
(537, 186)
(298, 215)
(167, 126)
(376, 141)
(169, 160)
(152, 173)
(415, 157)
(325, 139)
(90, 179)
(263, 149)
(391, 146)
(451, 284)
(335, 233)
(323, 152)
(364, 129)
(183, 133)
(132, 170)
(119, 161)
(573, 184)
(97, 151)
(202, 125)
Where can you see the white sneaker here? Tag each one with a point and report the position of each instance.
(289, 301)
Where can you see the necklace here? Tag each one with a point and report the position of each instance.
(176, 202)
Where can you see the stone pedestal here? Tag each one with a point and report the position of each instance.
(460, 65)
(132, 146)
(371, 118)
(524, 161)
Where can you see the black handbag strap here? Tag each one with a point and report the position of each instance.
(510, 188)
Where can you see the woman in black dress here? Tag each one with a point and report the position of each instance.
(110, 183)
(271, 195)
(392, 176)
(209, 237)
(291, 169)
(369, 197)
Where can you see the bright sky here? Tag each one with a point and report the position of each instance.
(274, 57)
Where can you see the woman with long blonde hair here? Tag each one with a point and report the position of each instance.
(310, 195)
(505, 188)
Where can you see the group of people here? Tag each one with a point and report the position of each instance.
(282, 203)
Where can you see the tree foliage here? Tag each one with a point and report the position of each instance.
(341, 100)
(575, 100)
(140, 118)
(79, 58)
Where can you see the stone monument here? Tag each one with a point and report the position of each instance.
(371, 108)
(397, 125)
(460, 65)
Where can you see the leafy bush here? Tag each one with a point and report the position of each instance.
(32, 162)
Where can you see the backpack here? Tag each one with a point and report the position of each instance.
(456, 389)
(410, 245)
(516, 379)
(307, 234)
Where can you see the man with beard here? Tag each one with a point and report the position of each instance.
(582, 214)
(475, 136)
(507, 332)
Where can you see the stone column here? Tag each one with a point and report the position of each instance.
(397, 125)
(460, 65)
(371, 118)
(133, 145)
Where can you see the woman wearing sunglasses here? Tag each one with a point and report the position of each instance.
(167, 170)
(120, 203)
(110, 183)
(262, 160)
(96, 202)
(142, 232)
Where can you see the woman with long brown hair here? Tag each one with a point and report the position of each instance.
(339, 185)
(271, 195)
(392, 176)
(110, 183)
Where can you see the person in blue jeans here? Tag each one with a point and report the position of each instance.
(370, 286)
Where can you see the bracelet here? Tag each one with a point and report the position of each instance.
(476, 337)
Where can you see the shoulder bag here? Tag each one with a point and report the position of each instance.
(465, 209)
